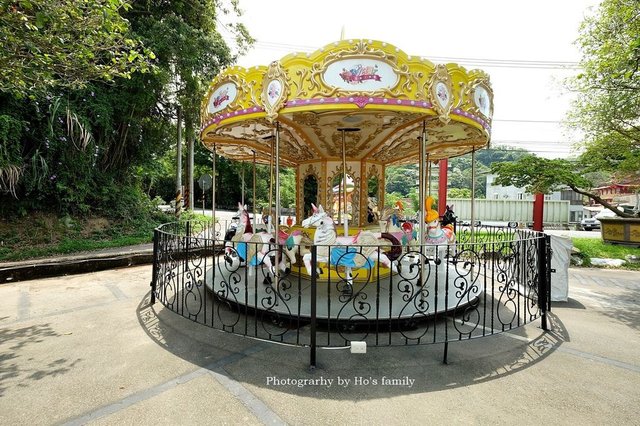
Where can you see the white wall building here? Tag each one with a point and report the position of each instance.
(499, 192)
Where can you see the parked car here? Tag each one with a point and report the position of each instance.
(589, 223)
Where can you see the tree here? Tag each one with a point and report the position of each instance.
(606, 110)
(65, 43)
(401, 179)
(459, 193)
(607, 106)
(460, 169)
(460, 173)
(92, 149)
(541, 175)
(190, 50)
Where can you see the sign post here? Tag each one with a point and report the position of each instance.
(205, 182)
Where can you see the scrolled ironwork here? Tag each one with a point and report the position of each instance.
(488, 282)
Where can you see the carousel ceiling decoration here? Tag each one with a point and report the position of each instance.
(363, 84)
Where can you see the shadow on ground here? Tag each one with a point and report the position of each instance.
(269, 365)
(21, 374)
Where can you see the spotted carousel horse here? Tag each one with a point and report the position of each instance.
(349, 257)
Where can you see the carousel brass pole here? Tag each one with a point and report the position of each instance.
(213, 190)
(344, 176)
(473, 193)
(242, 179)
(339, 200)
(428, 175)
(344, 186)
(423, 170)
(277, 214)
(269, 218)
(255, 221)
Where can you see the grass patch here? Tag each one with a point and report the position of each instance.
(43, 235)
(595, 247)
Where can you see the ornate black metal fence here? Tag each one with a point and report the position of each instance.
(492, 280)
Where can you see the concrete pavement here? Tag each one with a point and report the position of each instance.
(88, 349)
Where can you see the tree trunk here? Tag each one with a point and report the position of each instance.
(603, 202)
(189, 134)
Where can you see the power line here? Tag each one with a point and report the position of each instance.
(533, 142)
(513, 120)
(486, 62)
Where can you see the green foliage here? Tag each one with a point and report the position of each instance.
(44, 234)
(401, 179)
(459, 193)
(541, 175)
(536, 174)
(595, 247)
(460, 169)
(81, 146)
(65, 43)
(416, 205)
(391, 199)
(310, 194)
(190, 52)
(288, 188)
(607, 106)
(10, 155)
(606, 110)
(404, 179)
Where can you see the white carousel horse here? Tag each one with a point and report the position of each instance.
(291, 243)
(373, 214)
(349, 257)
(251, 248)
(267, 219)
(391, 218)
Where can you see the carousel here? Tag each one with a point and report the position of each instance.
(339, 116)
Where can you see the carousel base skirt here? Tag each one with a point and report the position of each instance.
(384, 297)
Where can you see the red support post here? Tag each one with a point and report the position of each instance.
(538, 211)
(442, 185)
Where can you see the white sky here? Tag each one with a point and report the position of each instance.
(524, 47)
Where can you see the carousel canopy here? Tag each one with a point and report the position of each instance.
(363, 84)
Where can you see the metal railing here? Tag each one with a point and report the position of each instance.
(492, 280)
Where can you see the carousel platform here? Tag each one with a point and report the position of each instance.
(383, 296)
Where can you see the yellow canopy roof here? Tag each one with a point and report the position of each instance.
(364, 84)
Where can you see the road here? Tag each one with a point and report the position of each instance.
(574, 234)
